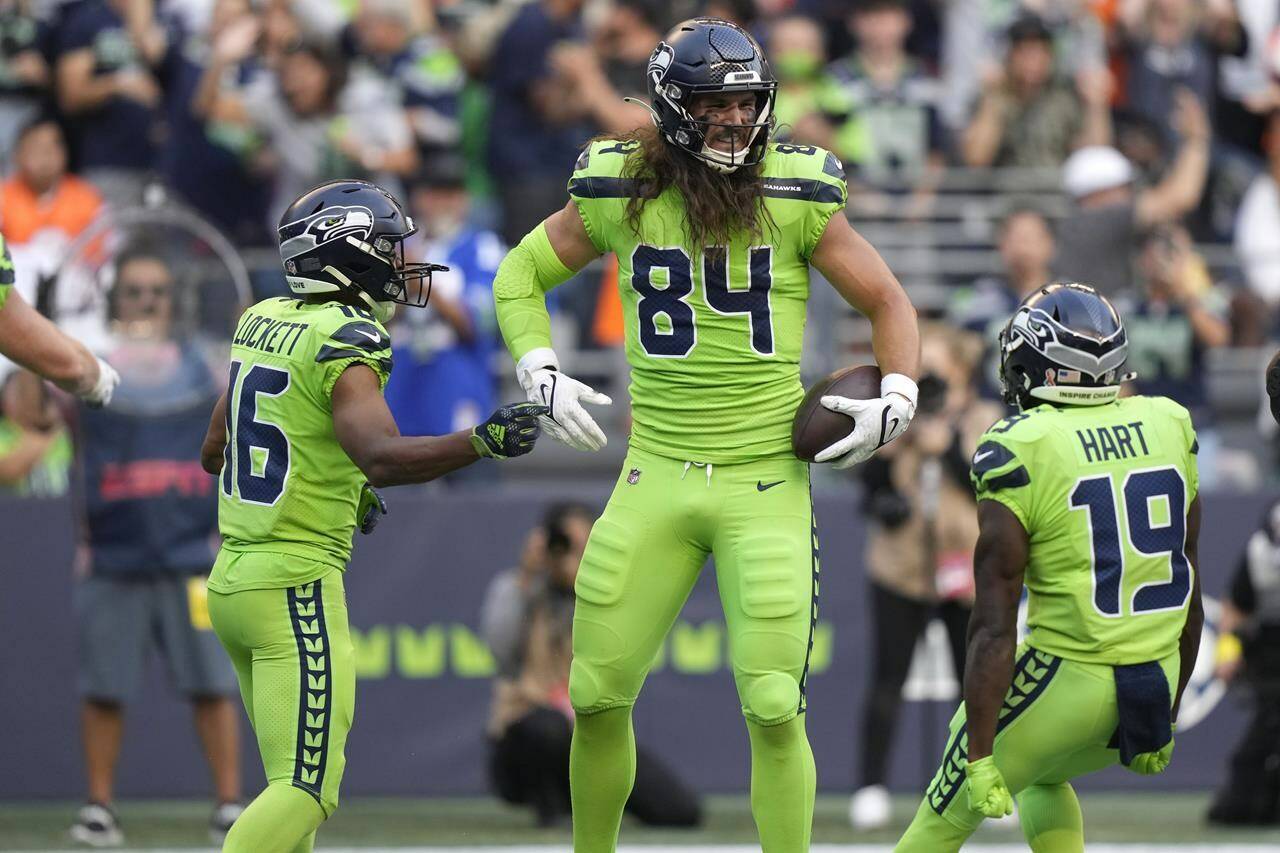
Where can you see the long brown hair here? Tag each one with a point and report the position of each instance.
(718, 206)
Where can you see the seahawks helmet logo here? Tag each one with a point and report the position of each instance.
(333, 223)
(660, 61)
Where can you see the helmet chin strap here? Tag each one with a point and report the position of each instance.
(382, 311)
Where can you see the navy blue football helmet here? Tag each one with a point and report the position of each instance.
(707, 56)
(1065, 344)
(348, 236)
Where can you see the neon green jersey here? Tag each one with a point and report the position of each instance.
(714, 352)
(287, 487)
(6, 271)
(1103, 493)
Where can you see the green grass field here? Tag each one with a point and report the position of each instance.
(1156, 821)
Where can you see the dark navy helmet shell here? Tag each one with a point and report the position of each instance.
(348, 236)
(1065, 344)
(709, 56)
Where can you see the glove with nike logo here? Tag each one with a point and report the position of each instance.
(510, 431)
(875, 422)
(569, 423)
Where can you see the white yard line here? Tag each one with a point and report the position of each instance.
(732, 848)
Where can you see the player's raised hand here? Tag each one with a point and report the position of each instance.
(875, 422)
(988, 794)
(510, 431)
(568, 422)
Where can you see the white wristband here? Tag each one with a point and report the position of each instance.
(535, 359)
(897, 383)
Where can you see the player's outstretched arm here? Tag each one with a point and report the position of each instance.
(860, 275)
(1189, 642)
(548, 256)
(215, 438)
(367, 431)
(30, 339)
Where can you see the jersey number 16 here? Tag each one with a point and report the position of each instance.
(255, 462)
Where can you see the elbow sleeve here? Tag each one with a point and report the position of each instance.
(519, 291)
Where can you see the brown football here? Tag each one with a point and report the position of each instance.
(816, 427)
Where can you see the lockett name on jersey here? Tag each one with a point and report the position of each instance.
(264, 333)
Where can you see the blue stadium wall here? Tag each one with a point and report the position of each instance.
(414, 591)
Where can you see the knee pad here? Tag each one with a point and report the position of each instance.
(599, 677)
(771, 698)
(584, 687)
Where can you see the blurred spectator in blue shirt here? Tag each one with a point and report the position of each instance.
(24, 74)
(105, 53)
(207, 163)
(390, 37)
(1026, 245)
(442, 381)
(535, 131)
(1173, 44)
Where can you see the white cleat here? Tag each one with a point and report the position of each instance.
(96, 826)
(869, 808)
(220, 821)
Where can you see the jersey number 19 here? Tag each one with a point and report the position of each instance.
(1142, 492)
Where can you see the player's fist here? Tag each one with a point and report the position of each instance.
(1153, 763)
(370, 510)
(567, 422)
(99, 393)
(875, 422)
(510, 431)
(988, 794)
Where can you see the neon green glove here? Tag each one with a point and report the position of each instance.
(1151, 763)
(370, 509)
(988, 794)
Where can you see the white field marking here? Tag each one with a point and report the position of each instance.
(739, 848)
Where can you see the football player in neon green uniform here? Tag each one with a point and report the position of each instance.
(715, 229)
(296, 440)
(28, 338)
(1091, 501)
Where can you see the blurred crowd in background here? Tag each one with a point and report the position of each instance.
(991, 146)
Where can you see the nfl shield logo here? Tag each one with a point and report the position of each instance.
(634, 476)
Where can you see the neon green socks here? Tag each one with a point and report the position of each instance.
(602, 769)
(282, 819)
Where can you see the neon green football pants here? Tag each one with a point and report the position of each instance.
(644, 555)
(292, 653)
(1057, 720)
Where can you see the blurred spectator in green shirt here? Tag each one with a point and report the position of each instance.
(35, 452)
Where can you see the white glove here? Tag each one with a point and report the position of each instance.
(544, 384)
(876, 422)
(100, 394)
